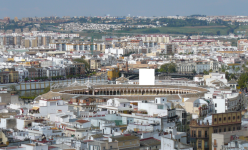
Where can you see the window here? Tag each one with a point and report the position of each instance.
(219, 119)
(238, 128)
(206, 144)
(224, 129)
(206, 133)
(199, 144)
(163, 99)
(224, 118)
(238, 117)
(199, 133)
(233, 117)
(229, 118)
(215, 119)
(215, 105)
(110, 147)
(233, 128)
(229, 129)
(215, 130)
(219, 130)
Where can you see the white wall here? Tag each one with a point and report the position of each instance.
(20, 124)
(221, 107)
(146, 76)
(152, 108)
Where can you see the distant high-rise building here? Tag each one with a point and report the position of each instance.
(9, 31)
(34, 29)
(18, 30)
(6, 19)
(30, 42)
(25, 30)
(27, 43)
(39, 40)
(25, 19)
(17, 40)
(8, 40)
(16, 19)
(46, 40)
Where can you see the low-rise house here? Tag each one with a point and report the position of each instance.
(126, 141)
(150, 144)
(220, 140)
(49, 106)
(171, 144)
(158, 108)
(102, 145)
(117, 105)
(193, 105)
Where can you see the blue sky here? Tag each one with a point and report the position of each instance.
(41, 8)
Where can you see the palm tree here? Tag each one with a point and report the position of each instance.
(237, 69)
(233, 67)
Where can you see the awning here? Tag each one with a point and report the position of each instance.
(35, 108)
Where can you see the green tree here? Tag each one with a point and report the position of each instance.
(194, 72)
(205, 72)
(218, 32)
(81, 60)
(243, 66)
(168, 68)
(13, 89)
(232, 76)
(47, 89)
(227, 76)
(243, 79)
(237, 69)
(211, 70)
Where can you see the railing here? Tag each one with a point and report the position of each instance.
(215, 145)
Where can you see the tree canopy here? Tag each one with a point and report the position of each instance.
(81, 60)
(243, 79)
(168, 68)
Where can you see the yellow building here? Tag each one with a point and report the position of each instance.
(16, 19)
(10, 59)
(113, 73)
(13, 75)
(27, 43)
(201, 131)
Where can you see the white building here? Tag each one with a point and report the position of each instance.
(115, 51)
(50, 106)
(117, 105)
(159, 107)
(35, 146)
(171, 144)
